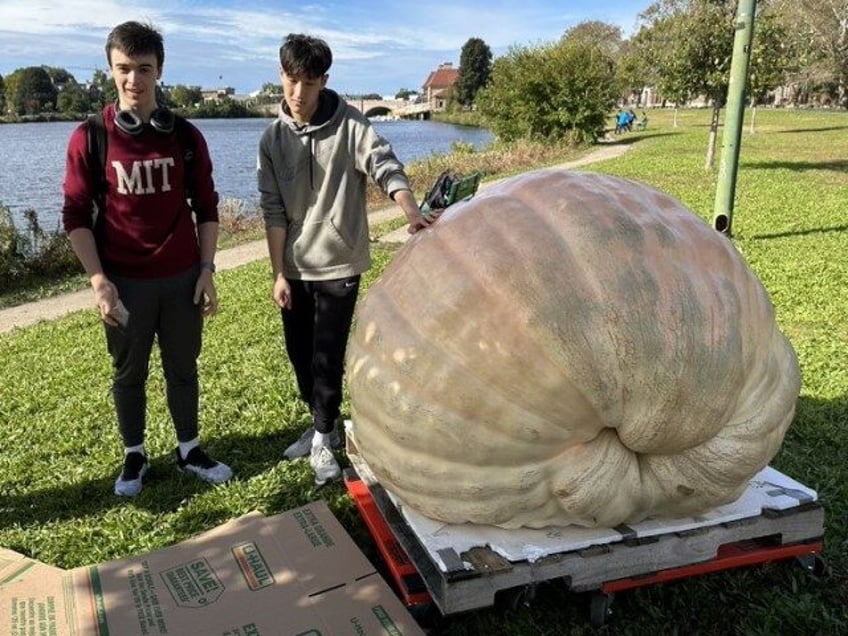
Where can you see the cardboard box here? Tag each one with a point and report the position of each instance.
(297, 573)
(16, 567)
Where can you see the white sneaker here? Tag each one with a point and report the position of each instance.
(200, 464)
(324, 464)
(303, 446)
(129, 482)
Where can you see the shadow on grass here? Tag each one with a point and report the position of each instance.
(166, 488)
(807, 232)
(813, 452)
(798, 166)
(627, 139)
(811, 130)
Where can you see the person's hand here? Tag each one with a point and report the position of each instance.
(105, 298)
(282, 293)
(204, 292)
(423, 220)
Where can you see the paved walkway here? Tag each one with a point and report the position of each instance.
(58, 306)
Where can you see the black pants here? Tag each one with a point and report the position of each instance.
(316, 330)
(162, 308)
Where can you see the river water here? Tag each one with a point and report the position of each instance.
(32, 157)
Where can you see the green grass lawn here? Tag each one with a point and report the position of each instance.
(60, 452)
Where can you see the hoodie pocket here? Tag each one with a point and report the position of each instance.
(319, 246)
(344, 236)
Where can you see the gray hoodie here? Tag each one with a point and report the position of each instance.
(312, 182)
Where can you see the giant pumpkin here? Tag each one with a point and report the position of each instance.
(568, 348)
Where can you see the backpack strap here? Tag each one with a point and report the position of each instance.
(96, 148)
(186, 140)
(96, 132)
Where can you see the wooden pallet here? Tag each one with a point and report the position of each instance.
(469, 578)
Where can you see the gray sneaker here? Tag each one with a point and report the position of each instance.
(129, 482)
(324, 464)
(200, 464)
(303, 446)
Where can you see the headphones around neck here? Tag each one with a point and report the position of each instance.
(161, 119)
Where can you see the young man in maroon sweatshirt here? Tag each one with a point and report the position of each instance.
(148, 252)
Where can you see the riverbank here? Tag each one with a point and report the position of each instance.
(55, 307)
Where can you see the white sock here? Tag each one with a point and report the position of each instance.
(185, 447)
(320, 439)
(134, 449)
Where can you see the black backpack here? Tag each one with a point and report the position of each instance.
(96, 136)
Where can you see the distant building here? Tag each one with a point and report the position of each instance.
(214, 94)
(437, 86)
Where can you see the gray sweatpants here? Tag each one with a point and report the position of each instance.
(162, 308)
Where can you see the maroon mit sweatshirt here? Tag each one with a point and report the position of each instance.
(147, 230)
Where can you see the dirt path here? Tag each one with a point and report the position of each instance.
(58, 306)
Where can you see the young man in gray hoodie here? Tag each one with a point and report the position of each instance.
(313, 164)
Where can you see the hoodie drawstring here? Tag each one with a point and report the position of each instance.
(311, 161)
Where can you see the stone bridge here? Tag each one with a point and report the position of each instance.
(390, 108)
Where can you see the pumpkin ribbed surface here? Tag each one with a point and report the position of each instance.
(568, 348)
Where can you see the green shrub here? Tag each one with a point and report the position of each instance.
(32, 253)
(553, 91)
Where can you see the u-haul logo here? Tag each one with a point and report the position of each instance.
(252, 564)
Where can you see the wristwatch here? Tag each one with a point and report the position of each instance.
(208, 265)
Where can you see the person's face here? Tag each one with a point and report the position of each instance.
(135, 78)
(301, 95)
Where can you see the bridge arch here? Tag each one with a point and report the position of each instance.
(379, 111)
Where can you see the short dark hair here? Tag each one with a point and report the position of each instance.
(134, 38)
(305, 55)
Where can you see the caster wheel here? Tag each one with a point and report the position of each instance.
(813, 564)
(427, 616)
(515, 598)
(600, 608)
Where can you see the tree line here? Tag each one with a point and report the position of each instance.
(44, 92)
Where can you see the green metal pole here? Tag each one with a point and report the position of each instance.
(726, 187)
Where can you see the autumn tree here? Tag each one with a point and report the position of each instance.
(475, 67)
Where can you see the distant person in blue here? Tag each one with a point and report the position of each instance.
(313, 165)
(621, 121)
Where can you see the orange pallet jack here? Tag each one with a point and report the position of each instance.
(472, 578)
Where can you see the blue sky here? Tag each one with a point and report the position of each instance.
(379, 46)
